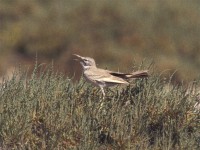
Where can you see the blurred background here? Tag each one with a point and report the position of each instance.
(116, 33)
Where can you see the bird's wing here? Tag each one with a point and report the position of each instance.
(120, 74)
(137, 74)
(101, 75)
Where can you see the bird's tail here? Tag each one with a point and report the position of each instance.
(139, 74)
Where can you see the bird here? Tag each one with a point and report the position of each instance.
(105, 78)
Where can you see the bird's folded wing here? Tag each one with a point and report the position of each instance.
(120, 75)
(107, 78)
(137, 74)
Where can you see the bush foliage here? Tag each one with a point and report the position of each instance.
(49, 111)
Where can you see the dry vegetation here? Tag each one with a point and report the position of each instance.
(49, 111)
(166, 31)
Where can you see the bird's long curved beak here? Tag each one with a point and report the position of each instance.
(78, 57)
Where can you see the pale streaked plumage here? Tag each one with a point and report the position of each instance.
(103, 78)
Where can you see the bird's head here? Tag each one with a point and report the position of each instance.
(86, 62)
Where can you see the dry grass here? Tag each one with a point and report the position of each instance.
(49, 111)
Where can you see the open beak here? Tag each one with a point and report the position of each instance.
(76, 59)
(79, 59)
(78, 56)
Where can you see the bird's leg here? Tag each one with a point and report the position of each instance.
(101, 106)
(102, 90)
